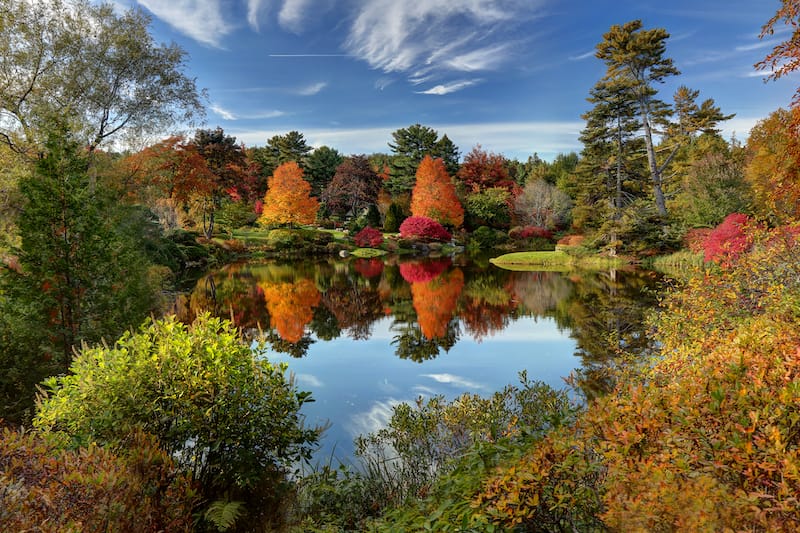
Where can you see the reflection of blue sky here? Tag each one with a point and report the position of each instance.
(356, 383)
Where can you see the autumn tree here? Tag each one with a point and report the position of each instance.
(785, 56)
(434, 195)
(410, 146)
(354, 187)
(288, 199)
(773, 167)
(483, 170)
(542, 204)
(91, 66)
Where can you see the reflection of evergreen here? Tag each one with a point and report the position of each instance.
(355, 303)
(486, 305)
(539, 293)
(412, 344)
(606, 315)
(295, 349)
(324, 324)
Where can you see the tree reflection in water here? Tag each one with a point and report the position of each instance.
(431, 303)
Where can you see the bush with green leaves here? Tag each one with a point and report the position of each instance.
(227, 416)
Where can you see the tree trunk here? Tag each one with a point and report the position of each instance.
(655, 173)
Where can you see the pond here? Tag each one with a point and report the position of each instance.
(365, 334)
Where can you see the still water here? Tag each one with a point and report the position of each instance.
(365, 334)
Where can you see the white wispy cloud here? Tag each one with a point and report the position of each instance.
(255, 8)
(311, 90)
(292, 13)
(224, 113)
(455, 381)
(202, 20)
(420, 38)
(581, 57)
(448, 88)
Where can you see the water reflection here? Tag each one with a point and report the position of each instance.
(430, 305)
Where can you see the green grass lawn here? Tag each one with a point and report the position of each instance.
(555, 261)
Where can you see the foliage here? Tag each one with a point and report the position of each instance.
(434, 195)
(485, 238)
(135, 488)
(530, 232)
(394, 217)
(287, 148)
(785, 56)
(234, 215)
(410, 146)
(542, 204)
(229, 418)
(773, 149)
(368, 237)
(701, 437)
(729, 240)
(490, 207)
(82, 277)
(435, 454)
(423, 228)
(354, 187)
(288, 199)
(320, 167)
(369, 267)
(50, 50)
(483, 170)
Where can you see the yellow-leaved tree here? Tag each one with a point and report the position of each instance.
(288, 199)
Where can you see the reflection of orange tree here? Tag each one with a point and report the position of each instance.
(435, 301)
(291, 306)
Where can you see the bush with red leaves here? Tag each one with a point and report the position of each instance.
(424, 271)
(727, 241)
(368, 238)
(530, 232)
(423, 228)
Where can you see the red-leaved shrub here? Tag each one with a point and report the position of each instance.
(530, 232)
(728, 240)
(368, 238)
(423, 228)
(695, 239)
(424, 271)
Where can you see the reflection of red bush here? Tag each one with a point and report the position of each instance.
(369, 268)
(420, 272)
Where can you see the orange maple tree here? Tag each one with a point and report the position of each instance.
(291, 306)
(785, 56)
(434, 195)
(435, 302)
(288, 199)
(483, 170)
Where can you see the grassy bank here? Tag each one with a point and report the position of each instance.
(557, 261)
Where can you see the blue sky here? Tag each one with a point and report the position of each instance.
(512, 75)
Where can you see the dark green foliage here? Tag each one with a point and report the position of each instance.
(281, 149)
(410, 146)
(394, 217)
(490, 207)
(486, 238)
(320, 167)
(83, 277)
(234, 215)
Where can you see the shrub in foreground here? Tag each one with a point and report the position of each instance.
(229, 418)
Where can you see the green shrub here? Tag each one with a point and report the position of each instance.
(229, 418)
(485, 238)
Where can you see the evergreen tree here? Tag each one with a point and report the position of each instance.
(410, 145)
(320, 167)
